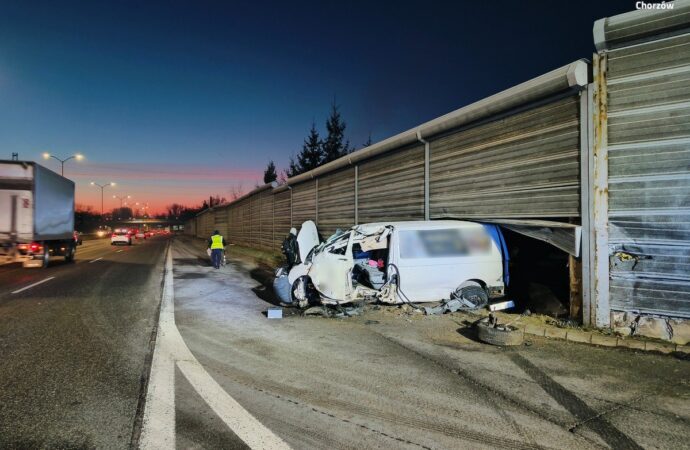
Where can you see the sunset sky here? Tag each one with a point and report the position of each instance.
(176, 101)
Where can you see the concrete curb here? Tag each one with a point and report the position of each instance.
(594, 338)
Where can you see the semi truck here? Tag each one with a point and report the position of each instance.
(36, 214)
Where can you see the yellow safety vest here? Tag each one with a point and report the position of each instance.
(216, 241)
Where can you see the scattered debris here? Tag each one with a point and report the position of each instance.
(334, 311)
(502, 305)
(274, 313)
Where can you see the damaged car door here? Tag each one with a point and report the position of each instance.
(331, 268)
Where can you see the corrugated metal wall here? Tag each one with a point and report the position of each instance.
(303, 202)
(266, 220)
(391, 187)
(525, 165)
(649, 176)
(281, 218)
(336, 201)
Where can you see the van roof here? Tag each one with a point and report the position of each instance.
(421, 224)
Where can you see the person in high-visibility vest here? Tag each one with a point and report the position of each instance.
(217, 246)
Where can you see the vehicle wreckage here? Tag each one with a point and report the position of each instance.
(396, 263)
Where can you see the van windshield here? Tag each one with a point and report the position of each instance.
(443, 243)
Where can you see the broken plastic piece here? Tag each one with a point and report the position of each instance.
(502, 305)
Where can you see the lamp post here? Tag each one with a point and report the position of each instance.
(123, 198)
(76, 156)
(102, 186)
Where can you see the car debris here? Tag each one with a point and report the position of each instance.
(274, 313)
(397, 263)
(334, 311)
(502, 305)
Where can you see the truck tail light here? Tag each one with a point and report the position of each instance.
(35, 247)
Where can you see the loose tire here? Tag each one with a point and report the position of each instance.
(502, 335)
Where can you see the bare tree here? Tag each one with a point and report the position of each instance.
(236, 191)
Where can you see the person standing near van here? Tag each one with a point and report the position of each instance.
(217, 246)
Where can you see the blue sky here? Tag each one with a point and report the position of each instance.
(150, 91)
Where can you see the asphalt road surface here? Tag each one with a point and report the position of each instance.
(74, 349)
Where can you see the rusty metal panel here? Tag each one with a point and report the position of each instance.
(336, 201)
(525, 165)
(391, 186)
(281, 217)
(303, 203)
(649, 176)
(266, 219)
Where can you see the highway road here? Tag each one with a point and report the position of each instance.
(74, 350)
(73, 344)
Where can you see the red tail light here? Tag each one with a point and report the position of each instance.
(35, 247)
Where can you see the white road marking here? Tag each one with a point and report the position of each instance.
(32, 285)
(94, 260)
(158, 430)
(119, 251)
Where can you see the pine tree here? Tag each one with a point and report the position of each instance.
(270, 173)
(368, 142)
(335, 146)
(309, 157)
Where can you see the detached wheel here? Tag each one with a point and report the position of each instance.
(502, 335)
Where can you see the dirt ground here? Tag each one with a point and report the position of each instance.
(392, 378)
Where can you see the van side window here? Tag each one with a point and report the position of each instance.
(442, 243)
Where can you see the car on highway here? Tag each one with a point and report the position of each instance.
(399, 262)
(140, 234)
(121, 236)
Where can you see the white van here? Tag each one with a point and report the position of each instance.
(397, 262)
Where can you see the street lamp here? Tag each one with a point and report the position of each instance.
(76, 156)
(123, 198)
(102, 186)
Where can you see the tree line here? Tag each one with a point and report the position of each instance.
(316, 150)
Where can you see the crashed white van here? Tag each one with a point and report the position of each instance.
(398, 262)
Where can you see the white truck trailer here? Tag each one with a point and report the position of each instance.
(36, 214)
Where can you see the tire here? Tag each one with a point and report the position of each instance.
(502, 335)
(474, 294)
(46, 257)
(69, 257)
(130, 242)
(309, 294)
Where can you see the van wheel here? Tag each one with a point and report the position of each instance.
(303, 285)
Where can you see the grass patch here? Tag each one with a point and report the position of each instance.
(261, 257)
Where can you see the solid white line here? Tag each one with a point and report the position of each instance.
(97, 259)
(158, 429)
(32, 285)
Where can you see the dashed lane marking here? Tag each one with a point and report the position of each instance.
(119, 251)
(158, 429)
(94, 260)
(32, 285)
